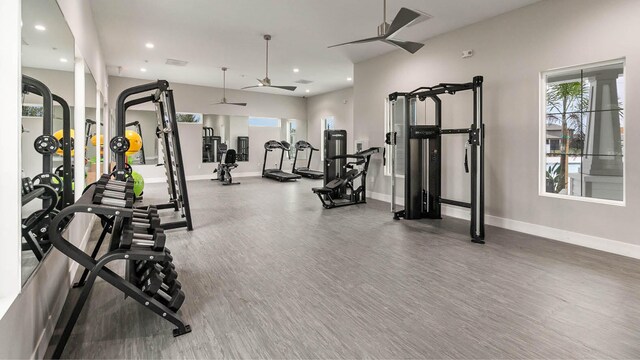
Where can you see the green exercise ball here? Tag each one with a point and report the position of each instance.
(138, 183)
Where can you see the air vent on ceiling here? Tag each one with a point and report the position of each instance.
(303, 81)
(175, 62)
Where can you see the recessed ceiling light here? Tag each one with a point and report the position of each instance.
(307, 90)
(149, 45)
(63, 60)
(40, 27)
(296, 70)
(349, 79)
(143, 69)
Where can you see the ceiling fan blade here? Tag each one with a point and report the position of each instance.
(237, 104)
(403, 18)
(360, 41)
(409, 46)
(290, 88)
(251, 87)
(218, 103)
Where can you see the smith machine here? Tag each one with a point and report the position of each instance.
(422, 197)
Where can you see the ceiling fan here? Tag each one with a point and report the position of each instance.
(224, 91)
(404, 18)
(266, 82)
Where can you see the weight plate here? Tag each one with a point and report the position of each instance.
(49, 179)
(46, 144)
(119, 144)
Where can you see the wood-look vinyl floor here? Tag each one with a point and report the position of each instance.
(268, 273)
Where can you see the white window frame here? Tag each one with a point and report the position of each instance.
(542, 124)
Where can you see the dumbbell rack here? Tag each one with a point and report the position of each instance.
(97, 267)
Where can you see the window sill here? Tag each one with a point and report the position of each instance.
(622, 203)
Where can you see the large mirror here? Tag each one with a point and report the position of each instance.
(220, 132)
(47, 68)
(144, 122)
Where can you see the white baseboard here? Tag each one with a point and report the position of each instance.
(202, 177)
(570, 237)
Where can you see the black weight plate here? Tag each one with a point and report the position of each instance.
(119, 144)
(46, 144)
(49, 179)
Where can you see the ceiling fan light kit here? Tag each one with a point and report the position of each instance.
(386, 31)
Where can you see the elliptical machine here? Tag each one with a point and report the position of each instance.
(226, 164)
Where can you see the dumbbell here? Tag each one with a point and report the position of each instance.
(142, 213)
(116, 194)
(149, 223)
(27, 185)
(131, 237)
(143, 266)
(119, 198)
(167, 275)
(114, 185)
(105, 200)
(153, 286)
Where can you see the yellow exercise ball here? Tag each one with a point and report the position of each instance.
(135, 142)
(58, 135)
(94, 140)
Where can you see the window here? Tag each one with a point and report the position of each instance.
(328, 123)
(33, 110)
(291, 136)
(193, 118)
(583, 132)
(265, 122)
(394, 122)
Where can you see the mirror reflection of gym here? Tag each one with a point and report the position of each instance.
(220, 130)
(47, 58)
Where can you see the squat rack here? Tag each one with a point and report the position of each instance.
(162, 97)
(421, 203)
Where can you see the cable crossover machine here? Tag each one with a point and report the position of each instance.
(422, 197)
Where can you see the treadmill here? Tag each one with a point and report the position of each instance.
(277, 174)
(306, 171)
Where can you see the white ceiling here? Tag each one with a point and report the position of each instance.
(210, 34)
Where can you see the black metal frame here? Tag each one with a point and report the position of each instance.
(340, 197)
(301, 145)
(97, 267)
(243, 148)
(38, 88)
(207, 144)
(427, 204)
(67, 167)
(168, 129)
(274, 173)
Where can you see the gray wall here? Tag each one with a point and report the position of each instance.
(338, 104)
(510, 51)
